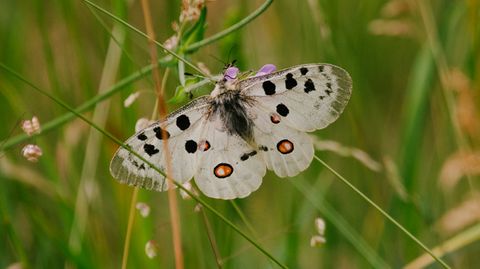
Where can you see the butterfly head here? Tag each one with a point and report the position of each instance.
(227, 83)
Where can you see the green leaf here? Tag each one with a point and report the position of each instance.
(180, 94)
(194, 33)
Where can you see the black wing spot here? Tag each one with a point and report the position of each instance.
(282, 110)
(245, 156)
(191, 146)
(329, 85)
(269, 87)
(290, 82)
(320, 68)
(328, 92)
(263, 148)
(142, 136)
(303, 71)
(150, 149)
(309, 86)
(158, 133)
(183, 122)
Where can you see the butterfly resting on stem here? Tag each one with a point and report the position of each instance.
(227, 140)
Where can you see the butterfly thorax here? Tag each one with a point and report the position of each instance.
(229, 104)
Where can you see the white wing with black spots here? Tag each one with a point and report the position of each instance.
(285, 150)
(307, 97)
(182, 135)
(227, 140)
(231, 168)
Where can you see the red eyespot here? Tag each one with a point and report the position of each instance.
(223, 170)
(275, 118)
(285, 146)
(203, 145)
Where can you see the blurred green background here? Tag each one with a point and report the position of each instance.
(409, 138)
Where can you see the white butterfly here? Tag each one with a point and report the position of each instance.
(228, 139)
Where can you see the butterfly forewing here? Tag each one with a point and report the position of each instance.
(181, 129)
(285, 150)
(307, 97)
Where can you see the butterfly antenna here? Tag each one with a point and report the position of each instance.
(218, 59)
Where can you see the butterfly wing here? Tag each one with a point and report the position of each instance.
(289, 103)
(285, 150)
(182, 130)
(231, 167)
(306, 97)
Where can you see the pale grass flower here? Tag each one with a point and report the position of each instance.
(358, 154)
(16, 265)
(32, 152)
(466, 102)
(197, 208)
(317, 240)
(460, 217)
(191, 10)
(151, 249)
(458, 165)
(31, 126)
(143, 209)
(320, 226)
(189, 187)
(397, 27)
(142, 123)
(171, 43)
(395, 8)
(130, 99)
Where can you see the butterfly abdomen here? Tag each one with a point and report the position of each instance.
(230, 107)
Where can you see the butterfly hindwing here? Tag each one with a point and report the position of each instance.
(231, 168)
(181, 131)
(307, 97)
(285, 150)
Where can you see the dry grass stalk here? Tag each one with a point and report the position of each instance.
(458, 165)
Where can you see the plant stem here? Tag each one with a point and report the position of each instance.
(131, 219)
(230, 29)
(385, 214)
(162, 112)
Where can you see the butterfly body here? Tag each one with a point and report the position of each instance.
(229, 105)
(228, 140)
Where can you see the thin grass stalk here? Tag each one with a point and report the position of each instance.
(162, 111)
(385, 214)
(460, 240)
(243, 217)
(314, 198)
(212, 240)
(128, 236)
